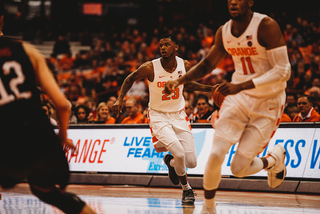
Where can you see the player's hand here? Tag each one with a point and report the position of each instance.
(213, 88)
(229, 88)
(117, 108)
(170, 86)
(68, 144)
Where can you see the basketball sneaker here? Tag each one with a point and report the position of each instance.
(188, 197)
(277, 173)
(172, 173)
(206, 210)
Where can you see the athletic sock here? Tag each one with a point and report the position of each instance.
(186, 186)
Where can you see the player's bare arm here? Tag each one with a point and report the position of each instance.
(195, 86)
(269, 34)
(144, 71)
(47, 82)
(210, 62)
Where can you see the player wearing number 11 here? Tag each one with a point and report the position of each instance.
(254, 100)
(169, 124)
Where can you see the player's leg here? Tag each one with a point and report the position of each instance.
(251, 143)
(212, 174)
(182, 128)
(228, 129)
(180, 167)
(183, 131)
(255, 138)
(245, 162)
(43, 179)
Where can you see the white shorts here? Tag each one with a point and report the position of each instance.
(250, 121)
(169, 127)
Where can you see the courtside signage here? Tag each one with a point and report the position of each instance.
(131, 151)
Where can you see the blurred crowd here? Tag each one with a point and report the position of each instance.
(91, 79)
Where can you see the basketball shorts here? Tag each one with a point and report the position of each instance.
(169, 127)
(31, 150)
(250, 121)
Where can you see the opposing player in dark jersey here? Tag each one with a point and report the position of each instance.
(29, 147)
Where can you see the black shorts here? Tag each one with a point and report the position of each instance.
(31, 150)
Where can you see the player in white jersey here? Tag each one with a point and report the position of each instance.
(169, 124)
(255, 98)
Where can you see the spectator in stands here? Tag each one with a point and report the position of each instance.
(61, 46)
(65, 63)
(138, 89)
(306, 112)
(103, 115)
(188, 108)
(110, 103)
(203, 114)
(82, 114)
(292, 111)
(134, 112)
(285, 118)
(291, 100)
(314, 87)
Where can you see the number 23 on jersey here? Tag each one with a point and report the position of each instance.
(174, 96)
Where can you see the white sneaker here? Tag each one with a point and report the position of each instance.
(206, 210)
(277, 173)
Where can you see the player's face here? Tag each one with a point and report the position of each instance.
(237, 8)
(167, 47)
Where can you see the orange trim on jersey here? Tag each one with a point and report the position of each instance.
(154, 139)
(278, 121)
(272, 134)
(190, 127)
(161, 149)
(187, 118)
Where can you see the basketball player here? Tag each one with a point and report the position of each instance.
(255, 98)
(169, 124)
(29, 147)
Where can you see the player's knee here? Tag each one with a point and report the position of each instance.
(236, 170)
(215, 158)
(191, 163)
(179, 157)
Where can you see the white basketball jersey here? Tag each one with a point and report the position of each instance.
(160, 101)
(250, 58)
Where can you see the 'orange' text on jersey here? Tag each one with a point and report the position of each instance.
(249, 51)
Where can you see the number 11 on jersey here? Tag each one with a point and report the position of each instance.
(246, 64)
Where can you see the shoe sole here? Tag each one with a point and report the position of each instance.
(187, 205)
(187, 202)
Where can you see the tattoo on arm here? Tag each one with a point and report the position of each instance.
(197, 72)
(195, 86)
(127, 84)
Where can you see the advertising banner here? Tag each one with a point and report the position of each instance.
(130, 150)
